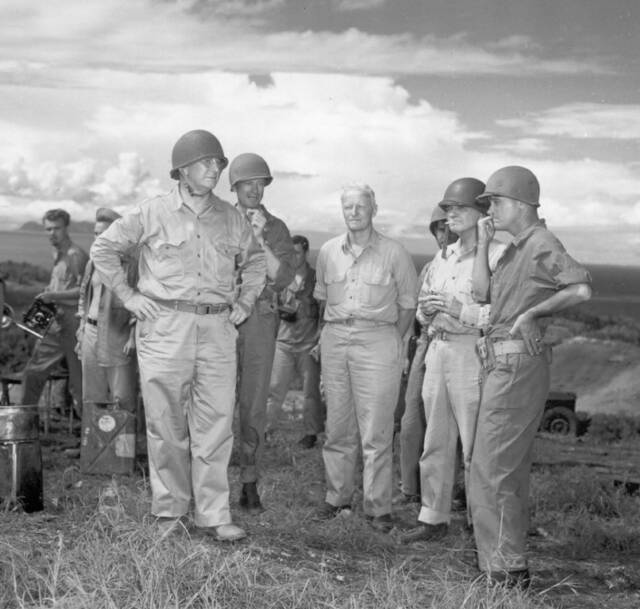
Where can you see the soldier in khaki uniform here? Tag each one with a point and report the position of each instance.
(249, 175)
(192, 245)
(534, 278)
(63, 291)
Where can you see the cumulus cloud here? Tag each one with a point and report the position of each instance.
(582, 120)
(82, 185)
(318, 132)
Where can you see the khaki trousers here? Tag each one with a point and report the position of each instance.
(513, 397)
(58, 344)
(256, 347)
(451, 395)
(187, 370)
(106, 383)
(287, 363)
(361, 368)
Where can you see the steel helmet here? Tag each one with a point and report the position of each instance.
(437, 215)
(464, 193)
(514, 182)
(248, 166)
(194, 146)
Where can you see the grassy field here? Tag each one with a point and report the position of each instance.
(95, 546)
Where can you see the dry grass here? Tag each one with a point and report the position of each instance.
(95, 546)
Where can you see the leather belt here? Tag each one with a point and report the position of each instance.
(506, 347)
(197, 308)
(360, 323)
(91, 321)
(452, 336)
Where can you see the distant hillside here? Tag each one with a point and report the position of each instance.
(74, 227)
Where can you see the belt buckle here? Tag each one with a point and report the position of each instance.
(203, 309)
(350, 321)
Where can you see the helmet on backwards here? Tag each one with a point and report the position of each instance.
(194, 146)
(464, 193)
(437, 215)
(514, 182)
(248, 166)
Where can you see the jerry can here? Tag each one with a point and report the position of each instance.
(20, 458)
(108, 444)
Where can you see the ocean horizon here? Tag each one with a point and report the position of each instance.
(616, 288)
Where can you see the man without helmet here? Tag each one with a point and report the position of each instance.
(192, 245)
(367, 283)
(534, 278)
(63, 291)
(249, 175)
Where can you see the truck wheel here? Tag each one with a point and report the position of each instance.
(560, 420)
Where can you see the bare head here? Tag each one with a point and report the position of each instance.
(56, 224)
(358, 206)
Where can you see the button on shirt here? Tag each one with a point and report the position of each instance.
(534, 266)
(371, 286)
(453, 275)
(183, 256)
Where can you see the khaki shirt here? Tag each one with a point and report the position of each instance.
(114, 321)
(534, 266)
(68, 269)
(183, 256)
(371, 286)
(453, 275)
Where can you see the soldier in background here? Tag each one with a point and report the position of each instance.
(64, 291)
(106, 335)
(192, 246)
(249, 175)
(297, 335)
(534, 278)
(413, 423)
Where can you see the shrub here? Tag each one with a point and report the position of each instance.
(613, 427)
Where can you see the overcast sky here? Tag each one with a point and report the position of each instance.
(406, 95)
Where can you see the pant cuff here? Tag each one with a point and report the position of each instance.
(430, 516)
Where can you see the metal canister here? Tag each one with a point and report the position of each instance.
(20, 458)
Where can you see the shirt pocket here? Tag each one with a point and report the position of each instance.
(168, 256)
(376, 282)
(226, 254)
(335, 288)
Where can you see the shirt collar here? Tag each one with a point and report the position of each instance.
(373, 242)
(177, 201)
(527, 232)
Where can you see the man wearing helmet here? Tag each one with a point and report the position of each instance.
(412, 425)
(451, 387)
(534, 278)
(249, 175)
(193, 250)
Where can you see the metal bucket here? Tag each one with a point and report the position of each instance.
(20, 458)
